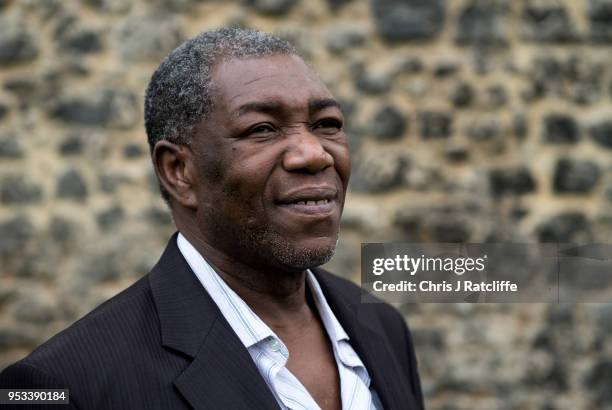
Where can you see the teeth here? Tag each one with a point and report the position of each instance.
(313, 202)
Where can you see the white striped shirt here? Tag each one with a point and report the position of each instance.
(270, 353)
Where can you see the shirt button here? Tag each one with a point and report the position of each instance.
(274, 345)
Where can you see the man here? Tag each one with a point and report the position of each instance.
(251, 155)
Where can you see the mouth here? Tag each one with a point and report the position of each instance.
(313, 201)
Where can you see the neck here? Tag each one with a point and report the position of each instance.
(277, 296)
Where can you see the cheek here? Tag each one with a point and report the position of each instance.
(246, 175)
(212, 170)
(209, 162)
(342, 162)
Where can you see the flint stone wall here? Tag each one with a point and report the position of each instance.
(469, 121)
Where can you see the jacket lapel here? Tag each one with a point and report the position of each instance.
(223, 376)
(192, 324)
(371, 346)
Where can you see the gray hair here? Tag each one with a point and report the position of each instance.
(179, 94)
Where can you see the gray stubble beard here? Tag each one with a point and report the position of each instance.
(265, 240)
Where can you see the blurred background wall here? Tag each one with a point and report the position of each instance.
(469, 121)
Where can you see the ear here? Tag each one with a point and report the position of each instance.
(173, 165)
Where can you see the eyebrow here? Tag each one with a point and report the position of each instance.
(319, 104)
(270, 107)
(259, 106)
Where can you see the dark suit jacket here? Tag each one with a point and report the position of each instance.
(163, 344)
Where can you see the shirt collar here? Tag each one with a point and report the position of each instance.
(332, 326)
(249, 328)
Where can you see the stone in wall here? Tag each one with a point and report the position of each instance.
(61, 230)
(561, 128)
(434, 124)
(569, 227)
(16, 337)
(10, 147)
(463, 95)
(434, 224)
(547, 23)
(482, 23)
(17, 45)
(272, 7)
(148, 37)
(158, 216)
(110, 6)
(600, 19)
(81, 41)
(101, 267)
(514, 181)
(574, 176)
(109, 218)
(15, 233)
(378, 171)
(408, 20)
(520, 125)
(71, 185)
(496, 96)
(34, 309)
(4, 110)
(576, 79)
(336, 5)
(388, 123)
(445, 69)
(602, 133)
(133, 151)
(20, 86)
(457, 154)
(367, 82)
(599, 380)
(17, 189)
(103, 108)
(450, 230)
(487, 130)
(343, 38)
(178, 6)
(410, 65)
(71, 145)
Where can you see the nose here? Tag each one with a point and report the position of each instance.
(306, 154)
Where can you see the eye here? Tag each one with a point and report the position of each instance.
(328, 126)
(260, 129)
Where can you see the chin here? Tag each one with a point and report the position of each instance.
(304, 254)
(291, 254)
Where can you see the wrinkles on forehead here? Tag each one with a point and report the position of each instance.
(235, 77)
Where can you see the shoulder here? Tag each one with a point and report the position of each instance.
(106, 336)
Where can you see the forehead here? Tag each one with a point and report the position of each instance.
(285, 79)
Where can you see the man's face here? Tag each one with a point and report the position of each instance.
(274, 164)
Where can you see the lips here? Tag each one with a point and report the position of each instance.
(318, 195)
(310, 200)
